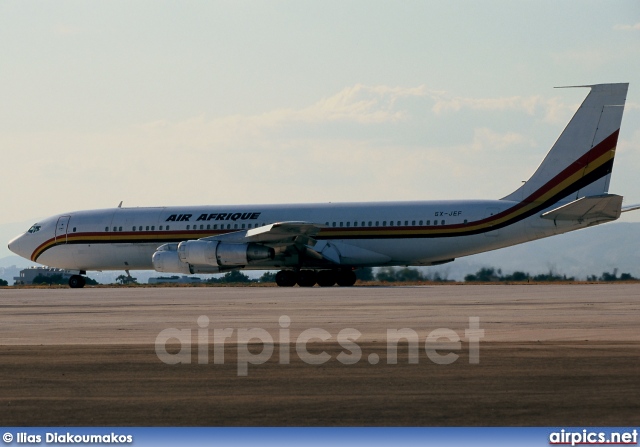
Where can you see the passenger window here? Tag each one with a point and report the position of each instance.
(406, 223)
(74, 229)
(370, 223)
(188, 227)
(442, 222)
(115, 228)
(160, 227)
(249, 226)
(465, 221)
(334, 224)
(148, 228)
(348, 224)
(215, 226)
(355, 224)
(167, 227)
(228, 226)
(384, 223)
(377, 223)
(420, 223)
(106, 228)
(243, 226)
(363, 224)
(413, 222)
(341, 224)
(134, 228)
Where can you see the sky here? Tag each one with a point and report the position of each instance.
(249, 102)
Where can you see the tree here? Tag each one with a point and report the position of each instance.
(365, 274)
(485, 274)
(386, 274)
(516, 276)
(235, 276)
(91, 282)
(408, 275)
(49, 279)
(125, 280)
(546, 277)
(267, 277)
(389, 274)
(606, 276)
(3, 283)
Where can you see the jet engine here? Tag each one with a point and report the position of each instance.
(223, 254)
(191, 257)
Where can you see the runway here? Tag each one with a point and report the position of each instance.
(547, 355)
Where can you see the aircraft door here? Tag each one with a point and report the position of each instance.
(61, 229)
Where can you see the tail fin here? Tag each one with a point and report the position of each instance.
(580, 162)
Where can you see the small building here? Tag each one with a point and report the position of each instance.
(175, 280)
(29, 274)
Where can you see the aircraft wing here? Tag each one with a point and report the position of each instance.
(300, 234)
(275, 234)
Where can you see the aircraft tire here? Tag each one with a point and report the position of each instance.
(346, 278)
(77, 282)
(327, 278)
(307, 278)
(286, 278)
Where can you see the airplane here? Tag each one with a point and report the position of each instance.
(325, 243)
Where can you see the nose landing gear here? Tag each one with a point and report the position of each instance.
(77, 282)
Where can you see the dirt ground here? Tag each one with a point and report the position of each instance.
(514, 384)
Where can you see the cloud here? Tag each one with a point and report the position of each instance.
(524, 104)
(553, 110)
(358, 104)
(621, 27)
(486, 139)
(362, 143)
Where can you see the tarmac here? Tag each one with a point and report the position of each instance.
(479, 355)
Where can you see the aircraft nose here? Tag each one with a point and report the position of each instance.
(16, 246)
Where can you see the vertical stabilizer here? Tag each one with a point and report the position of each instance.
(580, 162)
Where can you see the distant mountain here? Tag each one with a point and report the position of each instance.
(15, 260)
(580, 253)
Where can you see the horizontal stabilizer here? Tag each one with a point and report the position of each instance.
(601, 208)
(631, 208)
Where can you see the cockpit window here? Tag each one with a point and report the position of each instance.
(34, 229)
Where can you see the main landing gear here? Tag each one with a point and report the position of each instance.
(309, 278)
(77, 282)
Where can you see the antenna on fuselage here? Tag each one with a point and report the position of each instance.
(120, 206)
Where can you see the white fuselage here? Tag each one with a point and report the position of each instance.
(407, 233)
